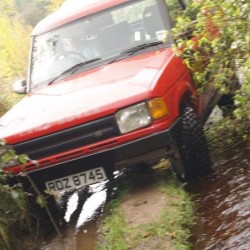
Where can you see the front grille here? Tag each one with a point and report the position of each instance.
(68, 139)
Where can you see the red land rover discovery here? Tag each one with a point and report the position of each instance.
(106, 89)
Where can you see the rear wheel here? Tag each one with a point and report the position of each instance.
(190, 157)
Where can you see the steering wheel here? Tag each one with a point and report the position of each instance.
(68, 54)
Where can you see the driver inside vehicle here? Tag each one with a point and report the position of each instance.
(84, 45)
(74, 43)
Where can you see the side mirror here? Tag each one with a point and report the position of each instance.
(20, 86)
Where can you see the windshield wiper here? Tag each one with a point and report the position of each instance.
(73, 69)
(136, 48)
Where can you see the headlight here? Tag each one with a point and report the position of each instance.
(141, 115)
(133, 117)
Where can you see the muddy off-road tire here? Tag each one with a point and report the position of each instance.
(190, 156)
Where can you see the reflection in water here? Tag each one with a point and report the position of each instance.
(223, 201)
(90, 207)
(93, 201)
(71, 206)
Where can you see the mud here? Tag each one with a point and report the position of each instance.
(143, 206)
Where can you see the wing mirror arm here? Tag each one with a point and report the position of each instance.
(20, 87)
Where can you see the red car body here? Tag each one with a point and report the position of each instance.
(50, 113)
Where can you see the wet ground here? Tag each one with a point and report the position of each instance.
(222, 200)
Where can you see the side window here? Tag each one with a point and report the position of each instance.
(132, 15)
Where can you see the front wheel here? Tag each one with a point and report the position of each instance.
(190, 155)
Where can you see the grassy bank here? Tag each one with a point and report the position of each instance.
(169, 231)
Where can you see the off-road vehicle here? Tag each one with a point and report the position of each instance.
(105, 89)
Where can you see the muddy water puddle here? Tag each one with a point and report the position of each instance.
(80, 213)
(223, 202)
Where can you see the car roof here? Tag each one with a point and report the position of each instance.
(72, 10)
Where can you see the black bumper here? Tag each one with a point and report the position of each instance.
(107, 158)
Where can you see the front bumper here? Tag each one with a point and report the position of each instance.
(107, 158)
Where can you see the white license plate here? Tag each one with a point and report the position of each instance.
(77, 180)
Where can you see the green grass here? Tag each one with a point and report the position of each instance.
(178, 216)
(114, 227)
(172, 229)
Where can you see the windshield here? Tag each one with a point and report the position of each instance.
(103, 35)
